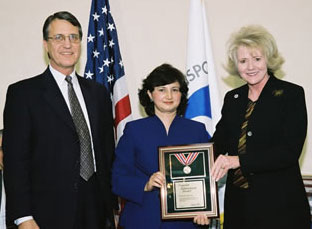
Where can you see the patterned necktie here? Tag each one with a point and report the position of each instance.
(86, 157)
(238, 179)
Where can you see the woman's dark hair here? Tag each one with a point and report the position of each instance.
(62, 15)
(160, 76)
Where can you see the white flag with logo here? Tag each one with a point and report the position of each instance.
(204, 99)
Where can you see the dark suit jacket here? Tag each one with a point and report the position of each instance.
(42, 151)
(275, 137)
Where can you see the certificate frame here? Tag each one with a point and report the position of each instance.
(189, 189)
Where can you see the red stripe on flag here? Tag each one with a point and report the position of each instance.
(122, 109)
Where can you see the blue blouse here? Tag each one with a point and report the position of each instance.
(137, 159)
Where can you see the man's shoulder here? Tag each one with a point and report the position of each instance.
(27, 83)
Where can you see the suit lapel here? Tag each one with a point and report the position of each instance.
(265, 102)
(267, 93)
(242, 100)
(55, 99)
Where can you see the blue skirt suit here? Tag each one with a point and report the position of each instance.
(137, 159)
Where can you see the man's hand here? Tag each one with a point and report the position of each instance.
(29, 224)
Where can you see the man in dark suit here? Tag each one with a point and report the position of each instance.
(46, 146)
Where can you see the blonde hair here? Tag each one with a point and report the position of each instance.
(254, 36)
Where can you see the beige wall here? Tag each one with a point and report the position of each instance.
(155, 31)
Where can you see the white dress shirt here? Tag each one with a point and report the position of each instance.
(62, 84)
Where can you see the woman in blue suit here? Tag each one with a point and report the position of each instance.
(136, 175)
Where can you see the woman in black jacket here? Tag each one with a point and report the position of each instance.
(259, 139)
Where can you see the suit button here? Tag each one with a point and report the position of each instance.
(76, 186)
(249, 133)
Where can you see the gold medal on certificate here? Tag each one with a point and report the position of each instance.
(186, 160)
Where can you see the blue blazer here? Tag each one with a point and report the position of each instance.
(137, 159)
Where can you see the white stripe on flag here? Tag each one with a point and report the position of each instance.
(120, 89)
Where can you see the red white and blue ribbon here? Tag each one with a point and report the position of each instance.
(186, 160)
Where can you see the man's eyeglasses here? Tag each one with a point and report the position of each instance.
(59, 38)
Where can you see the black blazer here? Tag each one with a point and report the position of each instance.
(41, 149)
(275, 137)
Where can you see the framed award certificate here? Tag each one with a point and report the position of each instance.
(189, 189)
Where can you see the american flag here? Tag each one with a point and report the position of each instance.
(104, 63)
